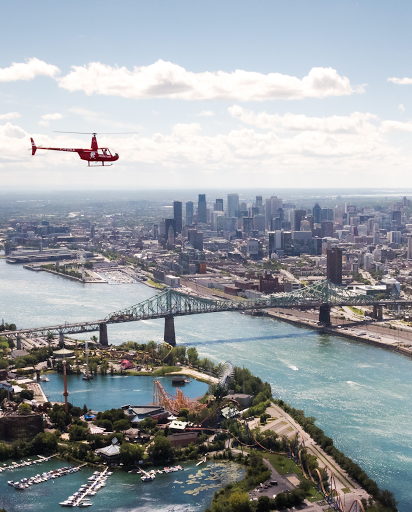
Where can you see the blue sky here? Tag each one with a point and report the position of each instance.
(269, 93)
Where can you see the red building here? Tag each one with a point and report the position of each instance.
(269, 284)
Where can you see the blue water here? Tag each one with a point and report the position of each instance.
(360, 395)
(185, 491)
(111, 392)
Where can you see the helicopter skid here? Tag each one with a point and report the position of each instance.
(102, 165)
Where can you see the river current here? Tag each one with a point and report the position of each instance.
(360, 395)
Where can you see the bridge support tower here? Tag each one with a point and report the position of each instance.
(377, 311)
(324, 314)
(170, 336)
(18, 342)
(103, 338)
(61, 339)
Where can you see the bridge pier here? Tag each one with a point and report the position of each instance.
(61, 339)
(170, 336)
(18, 342)
(103, 338)
(324, 314)
(377, 311)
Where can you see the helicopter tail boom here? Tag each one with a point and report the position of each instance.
(33, 147)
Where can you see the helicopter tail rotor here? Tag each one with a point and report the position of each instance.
(33, 147)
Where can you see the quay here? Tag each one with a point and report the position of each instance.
(96, 482)
(29, 462)
(359, 332)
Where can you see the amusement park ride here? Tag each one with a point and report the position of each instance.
(94, 155)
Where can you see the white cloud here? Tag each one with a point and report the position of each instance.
(49, 117)
(322, 156)
(28, 70)
(400, 81)
(356, 122)
(10, 115)
(206, 113)
(98, 119)
(167, 80)
(401, 107)
(396, 126)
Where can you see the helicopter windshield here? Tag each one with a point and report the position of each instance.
(104, 152)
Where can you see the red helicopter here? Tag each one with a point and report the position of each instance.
(93, 155)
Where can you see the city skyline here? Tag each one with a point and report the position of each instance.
(218, 94)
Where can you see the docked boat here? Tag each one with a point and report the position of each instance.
(148, 478)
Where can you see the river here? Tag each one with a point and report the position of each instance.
(360, 395)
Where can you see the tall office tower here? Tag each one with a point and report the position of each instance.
(171, 236)
(189, 213)
(247, 224)
(396, 216)
(368, 261)
(155, 231)
(376, 234)
(275, 204)
(219, 205)
(177, 215)
(259, 203)
(243, 207)
(201, 209)
(327, 228)
(232, 205)
(196, 239)
(170, 223)
(334, 265)
(317, 214)
(259, 223)
(395, 237)
(213, 220)
(299, 216)
(409, 248)
(326, 214)
(268, 212)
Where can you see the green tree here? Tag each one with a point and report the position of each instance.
(239, 502)
(192, 355)
(24, 408)
(121, 425)
(130, 453)
(161, 448)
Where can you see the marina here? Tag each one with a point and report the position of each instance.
(190, 490)
(25, 483)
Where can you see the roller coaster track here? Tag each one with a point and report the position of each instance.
(356, 507)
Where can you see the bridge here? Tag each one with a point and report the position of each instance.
(170, 303)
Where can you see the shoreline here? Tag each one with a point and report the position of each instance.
(340, 332)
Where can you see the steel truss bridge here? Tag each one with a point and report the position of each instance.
(170, 303)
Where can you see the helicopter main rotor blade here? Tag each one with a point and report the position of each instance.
(97, 133)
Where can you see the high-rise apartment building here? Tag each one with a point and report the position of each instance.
(232, 205)
(178, 216)
(334, 265)
(201, 209)
(189, 213)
